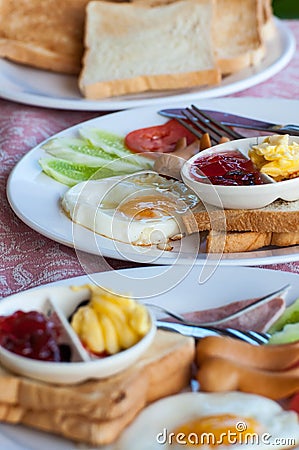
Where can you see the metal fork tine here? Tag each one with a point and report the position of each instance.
(190, 128)
(230, 132)
(206, 124)
(199, 332)
(263, 338)
(248, 336)
(201, 123)
(202, 126)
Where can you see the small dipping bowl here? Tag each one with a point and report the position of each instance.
(242, 196)
(65, 301)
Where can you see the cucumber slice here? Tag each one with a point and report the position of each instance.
(290, 315)
(116, 145)
(75, 147)
(70, 173)
(91, 157)
(289, 333)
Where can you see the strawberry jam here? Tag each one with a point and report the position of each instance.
(229, 168)
(32, 335)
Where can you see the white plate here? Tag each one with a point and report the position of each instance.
(35, 197)
(219, 289)
(51, 90)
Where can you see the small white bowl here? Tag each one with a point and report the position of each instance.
(240, 197)
(66, 300)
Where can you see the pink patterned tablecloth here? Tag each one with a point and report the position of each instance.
(27, 258)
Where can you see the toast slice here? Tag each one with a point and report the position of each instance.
(96, 412)
(235, 50)
(279, 217)
(269, 27)
(235, 242)
(246, 241)
(238, 34)
(46, 34)
(132, 48)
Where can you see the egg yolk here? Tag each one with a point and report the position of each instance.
(147, 207)
(217, 430)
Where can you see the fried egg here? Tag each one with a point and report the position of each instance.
(141, 209)
(212, 420)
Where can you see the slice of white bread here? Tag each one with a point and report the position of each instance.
(235, 242)
(246, 241)
(96, 412)
(237, 31)
(238, 34)
(280, 217)
(132, 48)
(269, 27)
(46, 34)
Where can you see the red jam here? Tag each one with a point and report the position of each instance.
(229, 168)
(32, 335)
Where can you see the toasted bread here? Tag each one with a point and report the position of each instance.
(280, 217)
(97, 411)
(232, 242)
(43, 33)
(132, 48)
(238, 34)
(269, 27)
(235, 50)
(246, 241)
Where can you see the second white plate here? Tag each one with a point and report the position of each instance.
(172, 291)
(52, 90)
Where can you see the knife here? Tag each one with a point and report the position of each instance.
(234, 120)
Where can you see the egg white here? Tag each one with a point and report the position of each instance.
(93, 204)
(170, 412)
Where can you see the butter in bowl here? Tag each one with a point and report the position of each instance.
(246, 173)
(70, 334)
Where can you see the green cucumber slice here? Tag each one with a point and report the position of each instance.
(116, 145)
(289, 333)
(70, 173)
(91, 157)
(290, 315)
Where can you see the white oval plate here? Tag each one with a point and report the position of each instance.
(216, 291)
(35, 197)
(52, 90)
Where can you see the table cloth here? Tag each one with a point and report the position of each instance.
(28, 259)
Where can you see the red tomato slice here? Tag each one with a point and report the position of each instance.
(294, 403)
(160, 138)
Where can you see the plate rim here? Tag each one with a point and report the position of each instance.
(284, 33)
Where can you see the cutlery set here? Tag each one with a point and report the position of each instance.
(233, 120)
(213, 328)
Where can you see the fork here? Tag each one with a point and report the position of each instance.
(259, 301)
(198, 332)
(204, 327)
(202, 124)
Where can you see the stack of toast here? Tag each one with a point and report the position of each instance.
(248, 229)
(120, 48)
(97, 411)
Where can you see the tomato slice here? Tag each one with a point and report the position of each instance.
(160, 138)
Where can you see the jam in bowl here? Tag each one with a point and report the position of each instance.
(46, 333)
(246, 173)
(227, 168)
